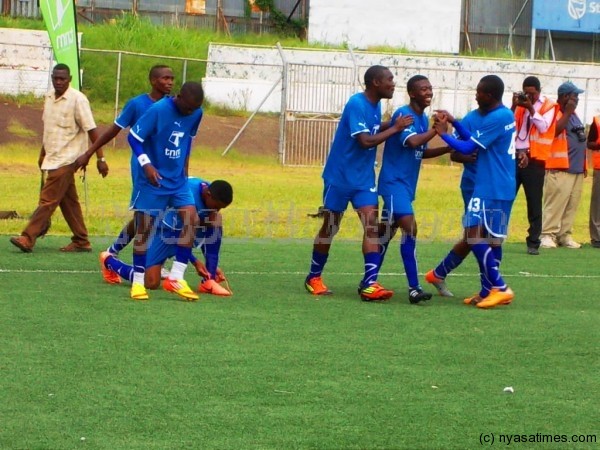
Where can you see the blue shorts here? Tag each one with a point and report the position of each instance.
(162, 245)
(397, 204)
(494, 215)
(336, 199)
(152, 204)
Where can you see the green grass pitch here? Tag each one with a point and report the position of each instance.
(81, 365)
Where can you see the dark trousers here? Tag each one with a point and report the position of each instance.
(59, 191)
(532, 179)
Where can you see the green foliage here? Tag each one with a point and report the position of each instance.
(292, 27)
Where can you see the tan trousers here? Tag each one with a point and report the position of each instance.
(562, 192)
(595, 208)
(59, 191)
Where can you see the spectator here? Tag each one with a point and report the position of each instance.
(565, 170)
(593, 143)
(68, 123)
(536, 125)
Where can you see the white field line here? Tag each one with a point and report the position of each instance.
(284, 273)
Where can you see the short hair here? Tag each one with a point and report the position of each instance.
(62, 66)
(493, 85)
(194, 90)
(410, 85)
(221, 191)
(533, 82)
(373, 73)
(154, 69)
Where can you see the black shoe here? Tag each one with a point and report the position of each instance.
(595, 244)
(532, 251)
(418, 295)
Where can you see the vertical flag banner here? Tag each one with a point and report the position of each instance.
(59, 16)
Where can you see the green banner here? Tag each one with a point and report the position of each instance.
(59, 16)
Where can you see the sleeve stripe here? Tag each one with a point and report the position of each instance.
(136, 136)
(479, 144)
(410, 135)
(360, 132)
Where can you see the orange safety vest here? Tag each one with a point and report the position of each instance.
(539, 143)
(559, 150)
(596, 154)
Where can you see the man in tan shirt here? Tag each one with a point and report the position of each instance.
(68, 122)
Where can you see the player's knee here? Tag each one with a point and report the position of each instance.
(152, 278)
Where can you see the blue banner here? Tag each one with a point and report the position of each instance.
(567, 15)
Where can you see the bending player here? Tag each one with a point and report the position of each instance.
(162, 141)
(209, 199)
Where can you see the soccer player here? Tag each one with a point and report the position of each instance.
(349, 176)
(398, 179)
(489, 129)
(161, 82)
(162, 140)
(209, 199)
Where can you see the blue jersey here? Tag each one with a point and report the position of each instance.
(467, 181)
(171, 218)
(494, 133)
(401, 164)
(348, 165)
(132, 111)
(135, 108)
(166, 135)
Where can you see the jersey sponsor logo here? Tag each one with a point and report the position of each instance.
(173, 153)
(478, 134)
(175, 137)
(178, 123)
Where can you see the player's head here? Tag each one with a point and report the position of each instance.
(61, 78)
(217, 195)
(161, 79)
(190, 97)
(419, 90)
(532, 88)
(380, 80)
(489, 91)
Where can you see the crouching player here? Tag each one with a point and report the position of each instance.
(209, 199)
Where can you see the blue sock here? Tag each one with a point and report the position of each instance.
(183, 254)
(211, 248)
(125, 271)
(139, 265)
(408, 252)
(121, 242)
(317, 264)
(488, 264)
(497, 252)
(448, 264)
(372, 264)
